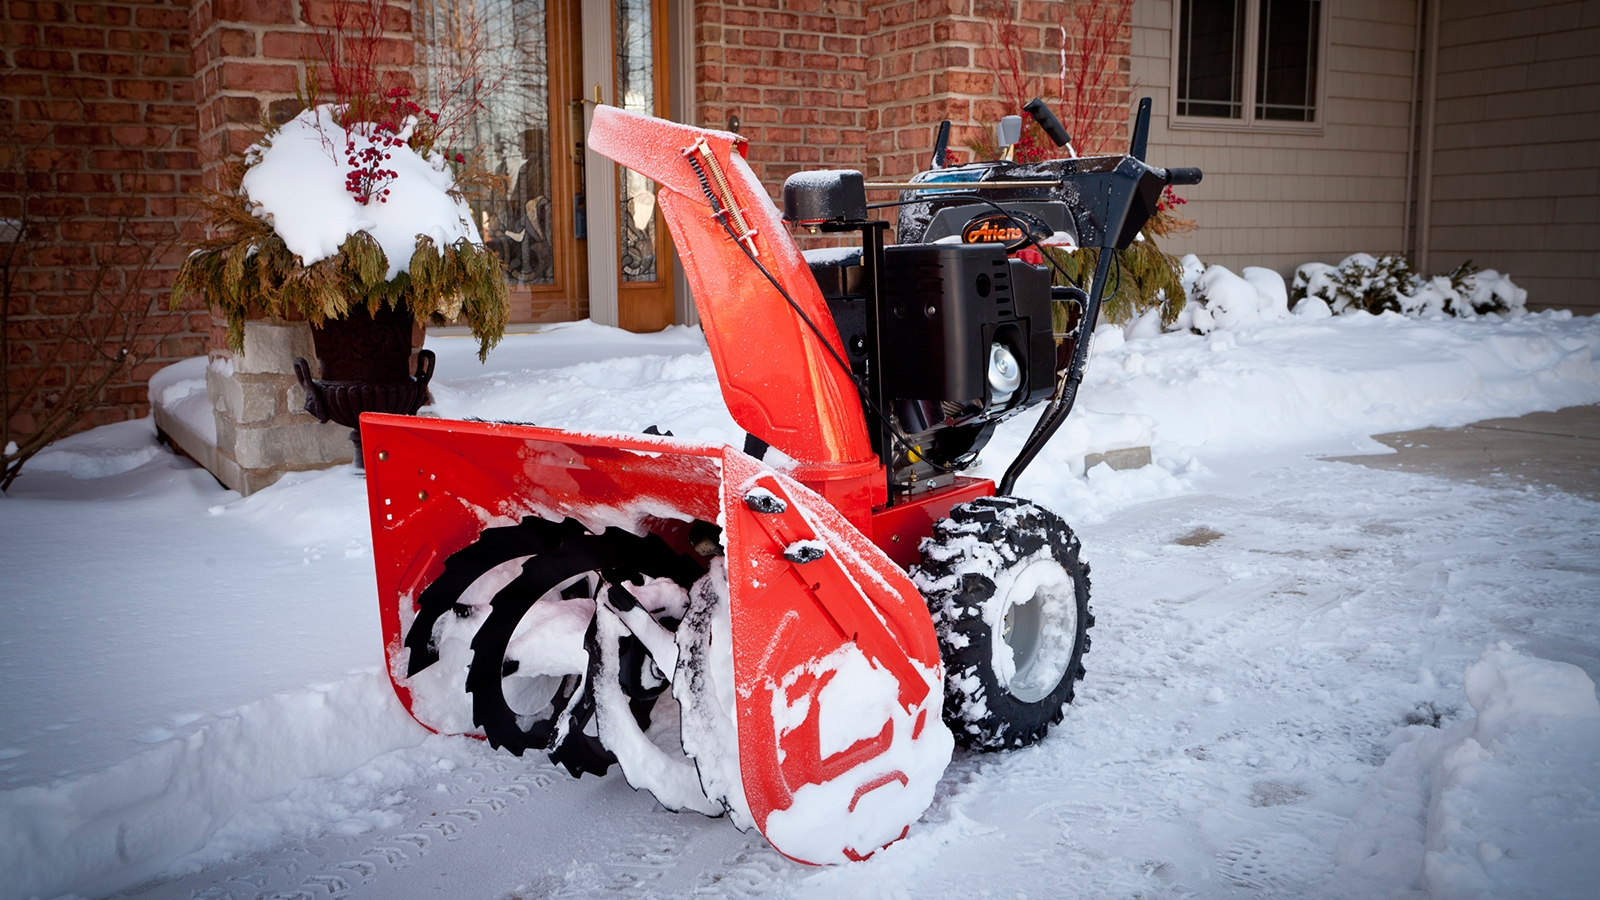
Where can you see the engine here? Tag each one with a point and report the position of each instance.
(965, 343)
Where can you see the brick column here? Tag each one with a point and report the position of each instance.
(865, 83)
(794, 72)
(922, 58)
(251, 56)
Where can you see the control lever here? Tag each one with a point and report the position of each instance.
(1048, 121)
(1141, 131)
(941, 145)
(1006, 134)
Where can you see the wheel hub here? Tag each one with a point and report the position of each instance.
(1039, 616)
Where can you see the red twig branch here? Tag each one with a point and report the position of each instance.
(1091, 89)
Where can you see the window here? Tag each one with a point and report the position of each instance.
(1248, 63)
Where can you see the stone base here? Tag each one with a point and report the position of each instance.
(263, 430)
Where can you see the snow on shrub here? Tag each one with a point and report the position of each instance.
(1364, 283)
(1219, 298)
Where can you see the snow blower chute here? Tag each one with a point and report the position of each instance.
(793, 638)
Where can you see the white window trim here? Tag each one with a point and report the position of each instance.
(1252, 25)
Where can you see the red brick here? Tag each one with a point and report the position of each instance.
(754, 37)
(111, 113)
(40, 12)
(75, 37)
(14, 34)
(101, 14)
(141, 89)
(136, 40)
(165, 67)
(48, 60)
(51, 110)
(289, 45)
(259, 77)
(168, 114)
(140, 136)
(116, 159)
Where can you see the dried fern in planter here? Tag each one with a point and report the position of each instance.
(247, 271)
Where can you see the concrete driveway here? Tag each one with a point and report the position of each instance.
(1560, 449)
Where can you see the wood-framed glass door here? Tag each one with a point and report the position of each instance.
(533, 216)
(547, 62)
(640, 84)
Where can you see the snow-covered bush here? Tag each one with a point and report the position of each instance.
(1219, 298)
(1361, 283)
(1364, 283)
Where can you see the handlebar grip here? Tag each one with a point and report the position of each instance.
(1048, 121)
(1187, 175)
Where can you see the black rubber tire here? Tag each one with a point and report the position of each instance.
(617, 553)
(980, 712)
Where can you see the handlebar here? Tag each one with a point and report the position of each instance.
(1184, 175)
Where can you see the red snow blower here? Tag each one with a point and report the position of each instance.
(793, 634)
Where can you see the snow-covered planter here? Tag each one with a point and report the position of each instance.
(327, 215)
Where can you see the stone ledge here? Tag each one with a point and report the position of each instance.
(1121, 460)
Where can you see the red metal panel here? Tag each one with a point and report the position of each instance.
(778, 380)
(899, 529)
(788, 616)
(434, 484)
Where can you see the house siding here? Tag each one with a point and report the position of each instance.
(1516, 167)
(1275, 199)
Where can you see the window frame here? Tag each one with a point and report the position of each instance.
(1252, 39)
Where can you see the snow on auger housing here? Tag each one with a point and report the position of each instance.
(794, 639)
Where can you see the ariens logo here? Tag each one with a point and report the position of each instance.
(1004, 228)
(990, 232)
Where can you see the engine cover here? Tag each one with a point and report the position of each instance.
(944, 304)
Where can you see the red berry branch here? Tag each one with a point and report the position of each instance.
(372, 101)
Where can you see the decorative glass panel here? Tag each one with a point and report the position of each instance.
(512, 135)
(1286, 70)
(636, 93)
(1211, 59)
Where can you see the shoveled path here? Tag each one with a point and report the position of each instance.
(1560, 449)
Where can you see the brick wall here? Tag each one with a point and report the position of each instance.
(794, 72)
(864, 83)
(97, 138)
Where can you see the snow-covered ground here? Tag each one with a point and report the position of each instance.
(1308, 678)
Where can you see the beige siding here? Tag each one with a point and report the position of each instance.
(1278, 200)
(1516, 183)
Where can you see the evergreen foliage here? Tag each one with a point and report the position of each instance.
(1363, 283)
(1147, 278)
(246, 270)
